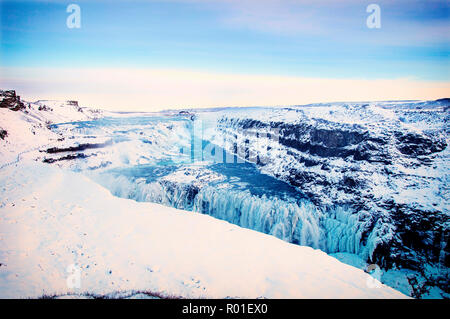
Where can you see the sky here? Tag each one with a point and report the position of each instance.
(150, 55)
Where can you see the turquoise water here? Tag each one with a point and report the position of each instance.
(237, 175)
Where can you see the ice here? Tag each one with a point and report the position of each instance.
(288, 221)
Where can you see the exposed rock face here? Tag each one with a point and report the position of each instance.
(73, 103)
(413, 144)
(77, 148)
(9, 99)
(44, 108)
(187, 114)
(3, 133)
(65, 158)
(387, 165)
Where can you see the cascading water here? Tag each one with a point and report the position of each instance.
(234, 192)
(290, 221)
(291, 218)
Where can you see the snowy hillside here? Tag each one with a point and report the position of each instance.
(53, 218)
(25, 124)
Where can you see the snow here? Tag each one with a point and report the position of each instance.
(54, 218)
(193, 175)
(22, 135)
(147, 142)
(27, 130)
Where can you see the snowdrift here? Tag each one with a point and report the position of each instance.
(53, 220)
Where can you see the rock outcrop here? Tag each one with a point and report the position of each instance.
(3, 133)
(9, 99)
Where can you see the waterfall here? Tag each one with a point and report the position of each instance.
(297, 221)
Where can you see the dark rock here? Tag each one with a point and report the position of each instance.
(44, 108)
(80, 147)
(187, 114)
(73, 103)
(415, 144)
(65, 158)
(3, 134)
(349, 182)
(9, 99)
(444, 101)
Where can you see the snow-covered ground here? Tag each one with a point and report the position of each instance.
(27, 129)
(52, 219)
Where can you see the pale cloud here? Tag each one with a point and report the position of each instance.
(338, 20)
(157, 89)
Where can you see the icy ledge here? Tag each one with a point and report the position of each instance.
(51, 218)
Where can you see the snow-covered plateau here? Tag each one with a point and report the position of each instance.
(315, 201)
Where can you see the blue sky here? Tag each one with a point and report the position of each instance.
(292, 38)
